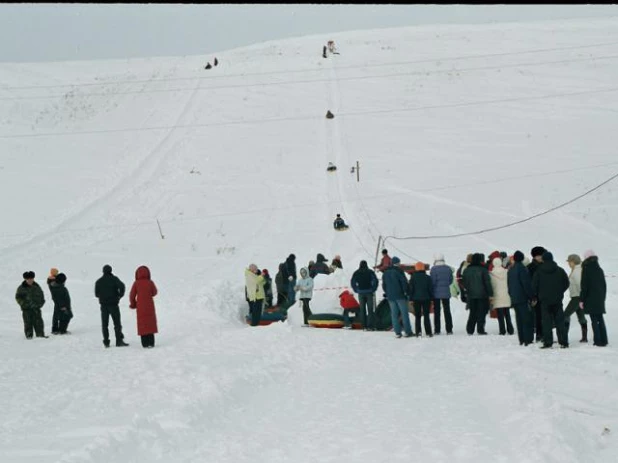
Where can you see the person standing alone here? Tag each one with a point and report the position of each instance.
(141, 299)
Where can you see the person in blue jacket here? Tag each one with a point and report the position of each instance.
(441, 280)
(520, 292)
(395, 287)
(365, 283)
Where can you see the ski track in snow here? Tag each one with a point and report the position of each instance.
(216, 390)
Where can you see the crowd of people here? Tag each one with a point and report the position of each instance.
(108, 289)
(534, 288)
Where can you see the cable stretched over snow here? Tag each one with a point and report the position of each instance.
(512, 224)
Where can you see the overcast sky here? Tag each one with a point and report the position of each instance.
(31, 32)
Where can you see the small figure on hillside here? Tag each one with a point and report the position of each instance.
(339, 223)
(141, 298)
(329, 115)
(62, 304)
(109, 289)
(216, 61)
(331, 167)
(208, 66)
(31, 299)
(304, 286)
(324, 51)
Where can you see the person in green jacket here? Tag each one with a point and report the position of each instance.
(31, 299)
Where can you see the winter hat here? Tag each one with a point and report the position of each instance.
(363, 264)
(574, 258)
(589, 253)
(320, 258)
(61, 278)
(396, 260)
(548, 257)
(27, 275)
(107, 269)
(537, 251)
(292, 257)
(438, 257)
(264, 272)
(419, 266)
(518, 256)
(53, 272)
(384, 252)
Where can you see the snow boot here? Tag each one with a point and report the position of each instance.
(584, 333)
(106, 342)
(121, 343)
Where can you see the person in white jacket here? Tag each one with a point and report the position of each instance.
(575, 279)
(305, 288)
(501, 301)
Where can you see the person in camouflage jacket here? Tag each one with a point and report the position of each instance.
(31, 299)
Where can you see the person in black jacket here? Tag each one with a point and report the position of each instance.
(593, 293)
(63, 312)
(478, 288)
(365, 283)
(520, 292)
(537, 260)
(109, 290)
(420, 292)
(282, 288)
(548, 285)
(289, 275)
(320, 266)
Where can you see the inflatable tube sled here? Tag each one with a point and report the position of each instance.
(326, 320)
(268, 318)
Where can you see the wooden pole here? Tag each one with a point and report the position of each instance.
(357, 172)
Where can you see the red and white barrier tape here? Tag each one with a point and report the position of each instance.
(333, 289)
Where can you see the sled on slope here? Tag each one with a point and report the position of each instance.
(331, 167)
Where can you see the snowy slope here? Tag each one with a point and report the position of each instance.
(456, 128)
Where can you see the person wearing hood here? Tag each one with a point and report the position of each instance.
(31, 300)
(365, 283)
(441, 280)
(575, 278)
(109, 290)
(548, 285)
(537, 260)
(593, 294)
(63, 313)
(479, 290)
(520, 292)
(254, 290)
(320, 266)
(141, 298)
(459, 278)
(304, 286)
(421, 293)
(395, 286)
(501, 301)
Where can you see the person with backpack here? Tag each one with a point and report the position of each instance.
(365, 283)
(109, 289)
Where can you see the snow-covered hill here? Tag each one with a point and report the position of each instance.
(456, 129)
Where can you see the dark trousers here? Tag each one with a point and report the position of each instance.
(64, 317)
(538, 313)
(281, 299)
(525, 323)
(504, 313)
(553, 313)
(477, 315)
(148, 340)
(599, 331)
(421, 309)
(33, 321)
(448, 318)
(306, 310)
(573, 308)
(114, 312)
(55, 327)
(255, 310)
(367, 312)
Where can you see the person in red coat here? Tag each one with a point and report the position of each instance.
(141, 298)
(349, 304)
